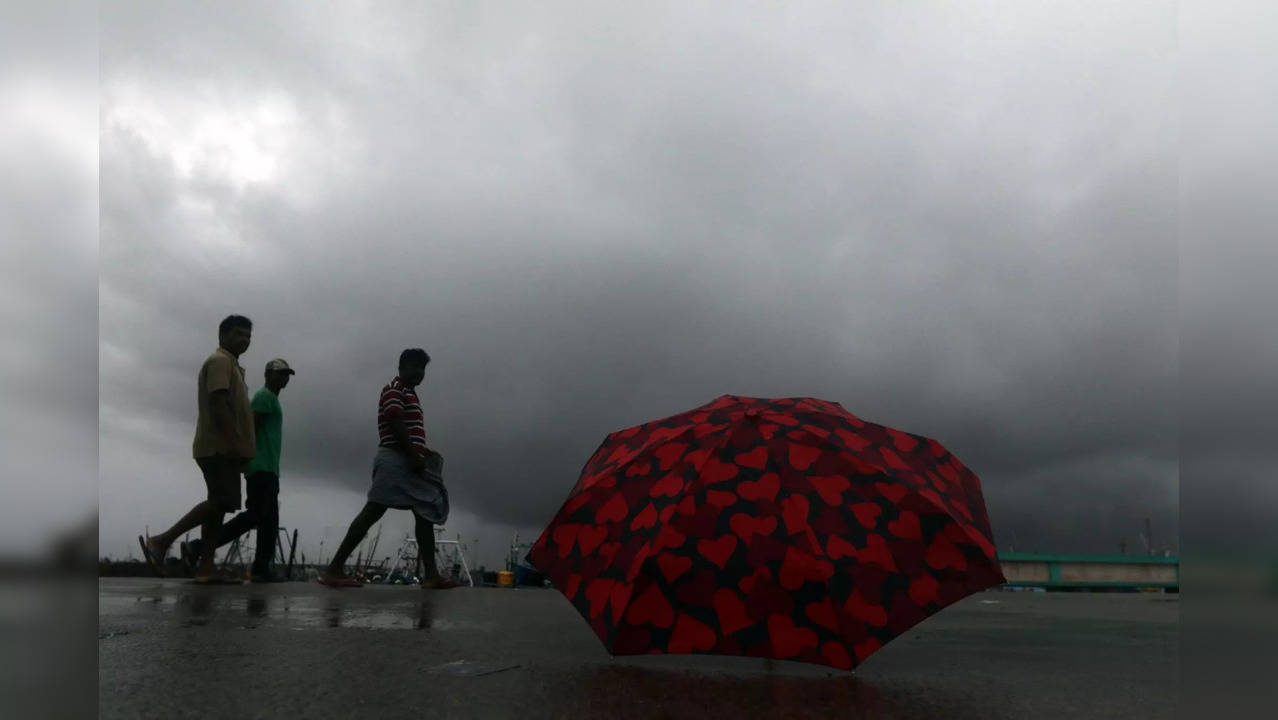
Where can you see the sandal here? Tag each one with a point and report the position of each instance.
(441, 584)
(156, 564)
(338, 581)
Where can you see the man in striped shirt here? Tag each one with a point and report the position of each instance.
(406, 475)
(399, 400)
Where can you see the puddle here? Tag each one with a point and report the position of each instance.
(125, 602)
(260, 610)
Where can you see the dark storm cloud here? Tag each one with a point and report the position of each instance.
(956, 224)
(1228, 344)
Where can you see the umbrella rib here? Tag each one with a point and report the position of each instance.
(844, 634)
(655, 532)
(892, 473)
(895, 475)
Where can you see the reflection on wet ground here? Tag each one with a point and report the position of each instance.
(254, 608)
(306, 650)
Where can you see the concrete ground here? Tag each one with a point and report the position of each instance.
(169, 649)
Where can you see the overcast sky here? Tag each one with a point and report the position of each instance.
(959, 220)
(48, 272)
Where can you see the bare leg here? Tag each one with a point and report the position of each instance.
(222, 479)
(360, 526)
(230, 530)
(159, 544)
(425, 531)
(208, 545)
(431, 579)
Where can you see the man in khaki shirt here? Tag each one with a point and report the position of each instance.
(224, 442)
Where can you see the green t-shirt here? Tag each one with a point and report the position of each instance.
(270, 433)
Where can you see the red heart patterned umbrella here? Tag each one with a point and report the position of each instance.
(783, 528)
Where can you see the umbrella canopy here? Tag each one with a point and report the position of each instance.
(782, 528)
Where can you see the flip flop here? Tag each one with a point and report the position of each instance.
(338, 582)
(157, 566)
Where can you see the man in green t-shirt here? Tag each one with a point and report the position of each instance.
(261, 478)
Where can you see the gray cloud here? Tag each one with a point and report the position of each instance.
(957, 222)
(1228, 346)
(48, 289)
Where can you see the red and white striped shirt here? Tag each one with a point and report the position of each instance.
(399, 400)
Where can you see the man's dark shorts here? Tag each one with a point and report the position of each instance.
(222, 476)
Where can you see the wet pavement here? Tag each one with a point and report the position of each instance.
(169, 649)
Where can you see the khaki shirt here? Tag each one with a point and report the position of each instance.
(222, 372)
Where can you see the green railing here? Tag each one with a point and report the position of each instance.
(1054, 562)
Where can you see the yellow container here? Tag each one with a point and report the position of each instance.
(505, 578)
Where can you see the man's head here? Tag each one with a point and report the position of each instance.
(412, 366)
(277, 375)
(235, 333)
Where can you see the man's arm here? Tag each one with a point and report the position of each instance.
(404, 443)
(223, 416)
